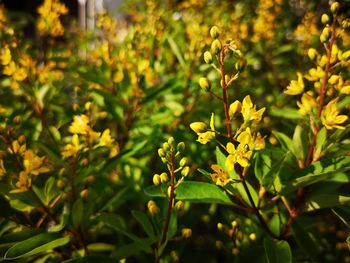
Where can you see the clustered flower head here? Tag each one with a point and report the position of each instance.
(49, 22)
(84, 138)
(321, 101)
(244, 141)
(29, 163)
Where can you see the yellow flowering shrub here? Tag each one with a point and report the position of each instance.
(176, 131)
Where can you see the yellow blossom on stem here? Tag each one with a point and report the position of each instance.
(80, 125)
(33, 164)
(73, 148)
(24, 182)
(241, 155)
(307, 104)
(219, 177)
(106, 139)
(5, 56)
(330, 116)
(249, 111)
(200, 128)
(295, 87)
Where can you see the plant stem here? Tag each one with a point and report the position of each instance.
(224, 94)
(230, 136)
(171, 200)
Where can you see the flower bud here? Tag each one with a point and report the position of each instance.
(204, 84)
(169, 191)
(152, 207)
(60, 184)
(227, 78)
(325, 19)
(164, 160)
(345, 55)
(166, 147)
(334, 79)
(156, 179)
(161, 152)
(252, 236)
(234, 107)
(240, 235)
(335, 7)
(220, 226)
(208, 58)
(171, 141)
(312, 53)
(234, 223)
(179, 205)
(164, 178)
(186, 232)
(198, 127)
(216, 46)
(183, 161)
(84, 193)
(185, 171)
(235, 251)
(180, 146)
(90, 179)
(214, 32)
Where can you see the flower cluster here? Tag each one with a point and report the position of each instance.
(85, 138)
(49, 22)
(325, 78)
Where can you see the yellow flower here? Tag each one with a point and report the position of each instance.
(106, 139)
(24, 182)
(33, 164)
(80, 125)
(241, 155)
(200, 128)
(295, 87)
(219, 177)
(10, 69)
(5, 56)
(330, 116)
(249, 111)
(234, 107)
(2, 168)
(73, 148)
(307, 104)
(206, 137)
(114, 151)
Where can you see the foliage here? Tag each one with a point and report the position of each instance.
(214, 131)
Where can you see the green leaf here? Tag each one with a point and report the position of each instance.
(285, 112)
(343, 213)
(199, 192)
(77, 213)
(277, 251)
(284, 140)
(50, 152)
(92, 259)
(305, 240)
(133, 248)
(202, 193)
(263, 167)
(317, 172)
(325, 201)
(118, 224)
(177, 52)
(172, 225)
(15, 237)
(35, 245)
(144, 221)
(300, 145)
